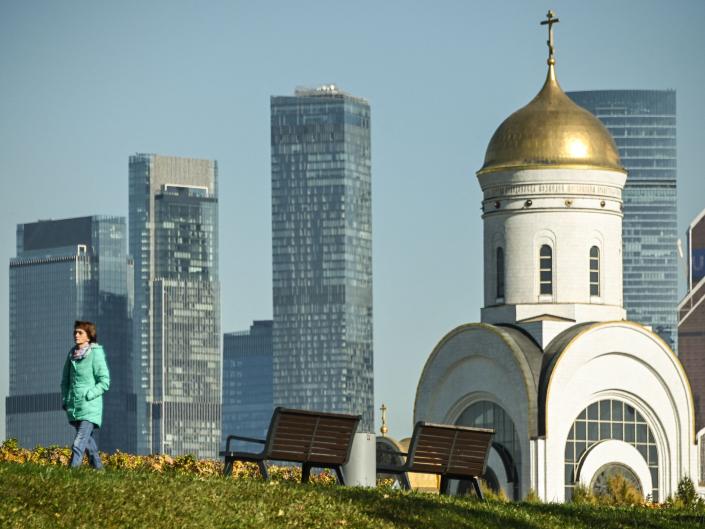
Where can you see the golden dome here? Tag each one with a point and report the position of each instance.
(551, 132)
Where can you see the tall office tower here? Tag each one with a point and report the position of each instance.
(247, 381)
(322, 252)
(174, 244)
(691, 326)
(67, 270)
(643, 124)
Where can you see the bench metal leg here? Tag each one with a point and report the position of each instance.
(339, 473)
(228, 467)
(404, 481)
(478, 491)
(445, 485)
(263, 470)
(305, 472)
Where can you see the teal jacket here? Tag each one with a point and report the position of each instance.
(83, 383)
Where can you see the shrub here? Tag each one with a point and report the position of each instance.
(532, 497)
(583, 495)
(686, 497)
(621, 492)
(11, 452)
(490, 494)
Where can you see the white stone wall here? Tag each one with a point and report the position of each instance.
(473, 363)
(568, 209)
(623, 361)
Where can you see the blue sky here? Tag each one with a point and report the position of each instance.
(84, 84)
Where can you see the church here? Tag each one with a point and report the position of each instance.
(575, 391)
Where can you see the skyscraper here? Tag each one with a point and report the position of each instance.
(322, 252)
(174, 244)
(691, 326)
(67, 270)
(643, 124)
(247, 381)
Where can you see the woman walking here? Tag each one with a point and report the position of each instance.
(85, 378)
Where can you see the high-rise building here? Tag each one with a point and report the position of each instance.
(174, 244)
(247, 381)
(322, 252)
(67, 270)
(643, 125)
(691, 326)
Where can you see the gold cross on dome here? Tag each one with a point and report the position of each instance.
(550, 21)
(384, 428)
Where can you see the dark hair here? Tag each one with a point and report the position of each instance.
(89, 327)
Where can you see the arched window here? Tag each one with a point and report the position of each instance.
(500, 272)
(594, 271)
(609, 419)
(487, 414)
(546, 270)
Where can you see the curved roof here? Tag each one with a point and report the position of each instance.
(551, 132)
(562, 342)
(550, 357)
(526, 352)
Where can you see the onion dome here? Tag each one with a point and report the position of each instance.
(551, 132)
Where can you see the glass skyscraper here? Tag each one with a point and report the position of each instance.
(247, 381)
(643, 124)
(67, 270)
(322, 252)
(176, 336)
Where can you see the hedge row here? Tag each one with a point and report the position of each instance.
(10, 451)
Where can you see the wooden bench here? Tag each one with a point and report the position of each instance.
(452, 452)
(314, 439)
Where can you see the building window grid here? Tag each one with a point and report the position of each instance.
(546, 270)
(487, 414)
(604, 420)
(594, 271)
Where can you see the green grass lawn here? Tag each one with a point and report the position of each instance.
(53, 496)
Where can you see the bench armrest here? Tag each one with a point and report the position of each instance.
(241, 438)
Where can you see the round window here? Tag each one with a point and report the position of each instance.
(601, 479)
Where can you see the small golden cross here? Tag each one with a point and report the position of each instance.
(550, 21)
(384, 428)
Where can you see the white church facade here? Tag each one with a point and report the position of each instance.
(575, 392)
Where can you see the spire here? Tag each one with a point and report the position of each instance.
(550, 20)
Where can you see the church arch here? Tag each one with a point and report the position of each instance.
(526, 355)
(625, 361)
(480, 361)
(610, 419)
(601, 462)
(488, 414)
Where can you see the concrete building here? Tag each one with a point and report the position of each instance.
(691, 328)
(67, 270)
(575, 392)
(174, 244)
(322, 252)
(643, 125)
(247, 381)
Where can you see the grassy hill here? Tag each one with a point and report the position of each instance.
(33, 495)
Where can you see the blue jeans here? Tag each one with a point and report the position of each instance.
(84, 441)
